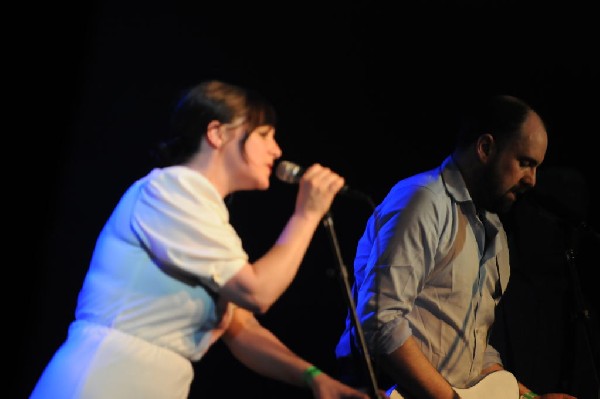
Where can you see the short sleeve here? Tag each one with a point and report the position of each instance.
(184, 224)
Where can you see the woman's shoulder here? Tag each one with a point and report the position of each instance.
(182, 186)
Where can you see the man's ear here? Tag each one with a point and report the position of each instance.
(485, 147)
(213, 134)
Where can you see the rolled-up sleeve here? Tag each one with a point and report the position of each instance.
(395, 276)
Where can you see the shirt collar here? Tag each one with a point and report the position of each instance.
(456, 187)
(453, 181)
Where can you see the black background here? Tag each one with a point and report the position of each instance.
(369, 89)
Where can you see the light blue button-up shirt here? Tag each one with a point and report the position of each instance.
(430, 267)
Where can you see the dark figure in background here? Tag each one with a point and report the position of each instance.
(553, 287)
(169, 275)
(433, 262)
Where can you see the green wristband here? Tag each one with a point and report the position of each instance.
(310, 373)
(529, 395)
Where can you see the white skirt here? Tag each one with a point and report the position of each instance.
(97, 362)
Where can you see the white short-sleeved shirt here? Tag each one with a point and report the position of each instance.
(167, 244)
(147, 306)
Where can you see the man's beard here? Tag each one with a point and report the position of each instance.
(492, 200)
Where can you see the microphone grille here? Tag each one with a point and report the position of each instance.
(288, 172)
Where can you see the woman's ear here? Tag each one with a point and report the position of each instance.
(213, 134)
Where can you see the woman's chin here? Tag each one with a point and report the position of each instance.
(262, 185)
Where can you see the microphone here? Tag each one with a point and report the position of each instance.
(289, 172)
(551, 206)
(569, 215)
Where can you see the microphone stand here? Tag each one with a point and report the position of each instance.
(582, 313)
(328, 223)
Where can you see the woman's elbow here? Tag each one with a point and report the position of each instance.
(258, 305)
(252, 302)
(247, 293)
